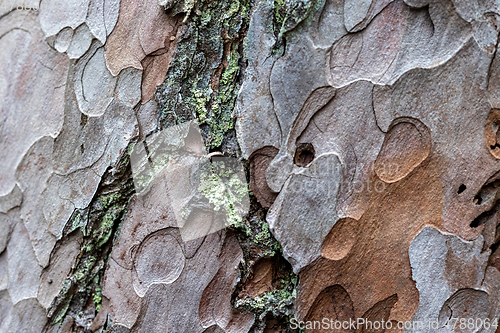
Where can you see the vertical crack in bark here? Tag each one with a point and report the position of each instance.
(98, 225)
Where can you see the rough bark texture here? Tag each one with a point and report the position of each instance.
(242, 166)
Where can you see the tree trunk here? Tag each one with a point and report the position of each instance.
(249, 166)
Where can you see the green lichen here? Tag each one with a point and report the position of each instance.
(277, 303)
(223, 102)
(176, 7)
(257, 232)
(279, 12)
(266, 241)
(289, 14)
(203, 77)
(199, 103)
(142, 178)
(77, 221)
(224, 189)
(297, 11)
(97, 297)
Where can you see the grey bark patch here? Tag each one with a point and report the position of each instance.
(31, 108)
(302, 232)
(63, 39)
(355, 12)
(94, 86)
(159, 260)
(11, 200)
(76, 23)
(354, 56)
(80, 43)
(53, 276)
(24, 270)
(5, 230)
(4, 271)
(6, 309)
(432, 256)
(96, 20)
(68, 14)
(28, 316)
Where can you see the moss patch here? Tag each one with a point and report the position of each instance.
(289, 14)
(224, 190)
(258, 243)
(203, 77)
(297, 11)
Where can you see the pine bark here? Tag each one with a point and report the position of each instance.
(249, 166)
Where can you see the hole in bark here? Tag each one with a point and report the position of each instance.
(83, 119)
(480, 219)
(487, 192)
(496, 130)
(461, 188)
(492, 133)
(485, 216)
(304, 154)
